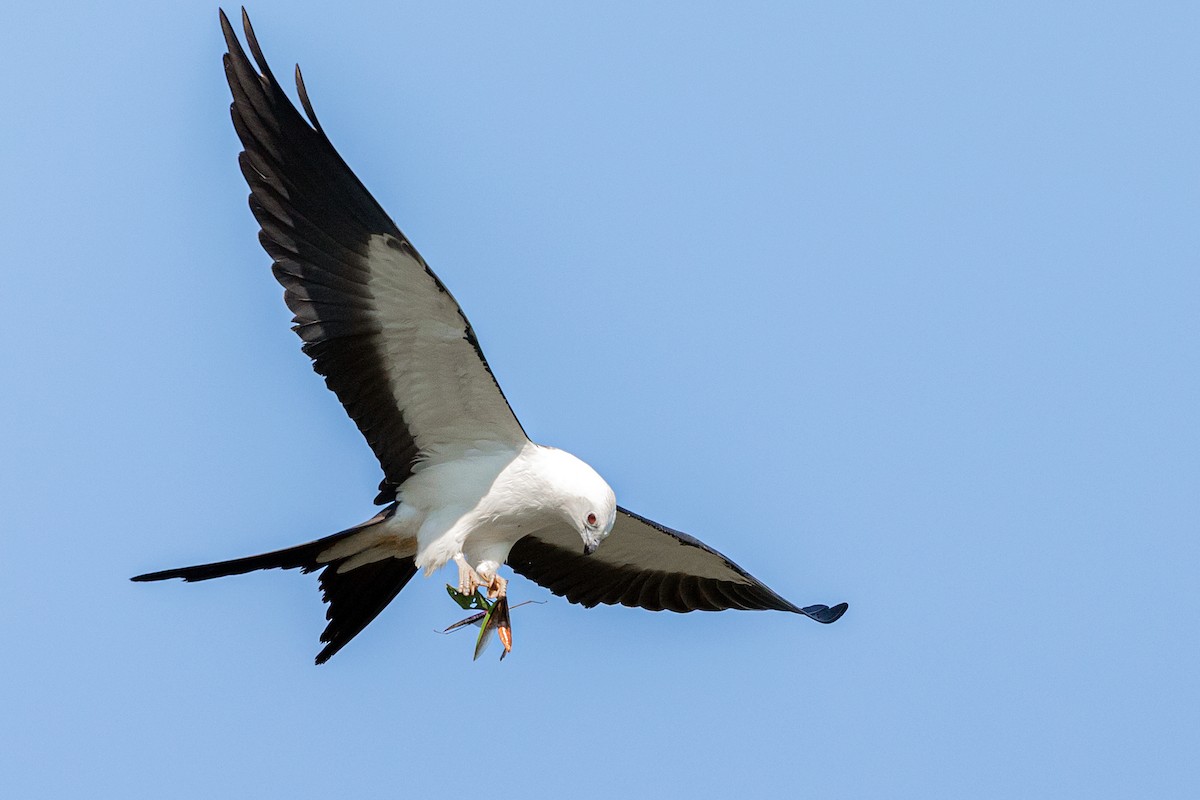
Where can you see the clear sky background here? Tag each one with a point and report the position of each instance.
(894, 305)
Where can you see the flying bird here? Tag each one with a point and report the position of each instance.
(462, 482)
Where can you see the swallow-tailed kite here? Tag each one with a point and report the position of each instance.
(461, 482)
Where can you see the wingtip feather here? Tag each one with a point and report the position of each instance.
(304, 101)
(824, 614)
(162, 575)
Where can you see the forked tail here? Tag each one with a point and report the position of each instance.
(355, 597)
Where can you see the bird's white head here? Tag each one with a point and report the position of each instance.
(585, 500)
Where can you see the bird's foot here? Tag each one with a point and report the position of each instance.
(468, 579)
(497, 588)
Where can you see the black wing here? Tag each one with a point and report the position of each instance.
(389, 338)
(645, 564)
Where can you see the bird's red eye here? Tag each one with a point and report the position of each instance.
(591, 520)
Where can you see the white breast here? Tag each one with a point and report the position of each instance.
(479, 503)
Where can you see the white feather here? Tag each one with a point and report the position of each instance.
(448, 398)
(480, 503)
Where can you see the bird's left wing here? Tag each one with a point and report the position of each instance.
(645, 564)
(389, 338)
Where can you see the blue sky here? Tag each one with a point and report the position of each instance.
(894, 305)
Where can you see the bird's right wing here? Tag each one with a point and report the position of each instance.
(389, 338)
(645, 564)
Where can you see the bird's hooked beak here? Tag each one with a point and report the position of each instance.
(590, 543)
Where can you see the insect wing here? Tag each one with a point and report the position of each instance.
(486, 630)
(503, 623)
(475, 600)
